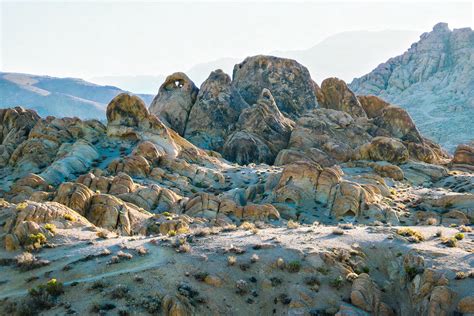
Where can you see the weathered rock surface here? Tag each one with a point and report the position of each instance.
(333, 132)
(266, 124)
(334, 94)
(174, 101)
(289, 82)
(15, 125)
(316, 215)
(464, 156)
(433, 81)
(215, 112)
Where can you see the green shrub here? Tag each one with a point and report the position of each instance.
(51, 228)
(69, 217)
(37, 239)
(337, 282)
(459, 236)
(408, 232)
(293, 266)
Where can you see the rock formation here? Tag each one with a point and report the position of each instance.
(433, 81)
(174, 101)
(348, 199)
(289, 82)
(334, 94)
(264, 123)
(214, 113)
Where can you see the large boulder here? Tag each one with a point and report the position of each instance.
(129, 118)
(464, 155)
(214, 113)
(28, 219)
(15, 125)
(174, 101)
(66, 139)
(267, 124)
(366, 295)
(289, 82)
(75, 196)
(112, 213)
(384, 149)
(244, 147)
(393, 121)
(334, 94)
(335, 133)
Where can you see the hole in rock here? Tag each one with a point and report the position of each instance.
(179, 83)
(349, 213)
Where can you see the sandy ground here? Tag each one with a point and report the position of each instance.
(80, 263)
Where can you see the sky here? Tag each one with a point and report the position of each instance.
(102, 38)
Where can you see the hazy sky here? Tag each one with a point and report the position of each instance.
(95, 38)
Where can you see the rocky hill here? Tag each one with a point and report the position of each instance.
(56, 96)
(257, 194)
(434, 81)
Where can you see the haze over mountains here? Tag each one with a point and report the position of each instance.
(433, 80)
(57, 96)
(344, 55)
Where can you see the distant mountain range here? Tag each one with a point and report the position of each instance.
(344, 55)
(57, 96)
(434, 81)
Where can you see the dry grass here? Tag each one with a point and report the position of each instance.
(231, 260)
(247, 226)
(292, 224)
(413, 235)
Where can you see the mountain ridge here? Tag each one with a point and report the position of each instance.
(433, 80)
(56, 96)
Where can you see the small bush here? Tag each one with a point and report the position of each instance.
(292, 224)
(431, 221)
(37, 240)
(118, 292)
(231, 260)
(98, 285)
(293, 266)
(171, 233)
(337, 282)
(254, 258)
(103, 234)
(41, 297)
(311, 281)
(337, 231)
(247, 226)
(411, 272)
(323, 270)
(201, 276)
(202, 232)
(229, 228)
(450, 242)
(184, 248)
(51, 228)
(413, 235)
(69, 218)
(21, 206)
(465, 229)
(459, 236)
